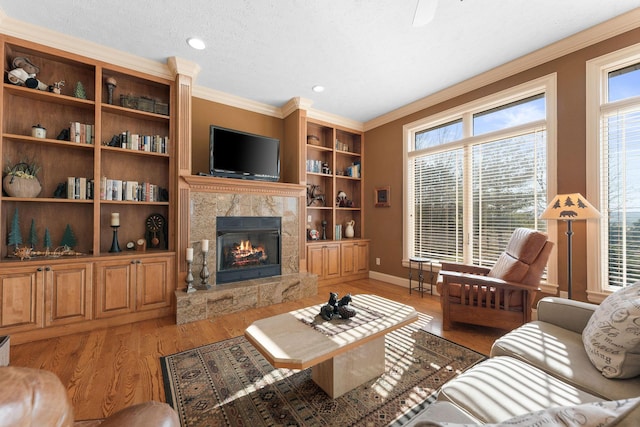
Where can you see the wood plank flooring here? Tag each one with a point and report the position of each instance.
(108, 369)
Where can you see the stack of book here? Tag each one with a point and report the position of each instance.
(134, 191)
(81, 132)
(80, 188)
(149, 143)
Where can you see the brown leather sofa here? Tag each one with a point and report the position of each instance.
(36, 397)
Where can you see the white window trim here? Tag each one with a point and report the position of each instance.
(546, 84)
(597, 71)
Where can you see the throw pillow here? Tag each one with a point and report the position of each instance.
(612, 335)
(593, 414)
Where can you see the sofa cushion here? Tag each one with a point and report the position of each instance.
(445, 411)
(504, 387)
(612, 335)
(508, 268)
(526, 244)
(589, 414)
(560, 352)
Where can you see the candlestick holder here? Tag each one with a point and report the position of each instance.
(204, 273)
(115, 247)
(189, 278)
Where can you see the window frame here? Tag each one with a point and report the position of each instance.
(597, 70)
(546, 84)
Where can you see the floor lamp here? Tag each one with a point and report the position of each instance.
(569, 208)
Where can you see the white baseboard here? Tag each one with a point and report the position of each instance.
(398, 281)
(394, 280)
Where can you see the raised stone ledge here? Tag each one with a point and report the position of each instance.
(238, 296)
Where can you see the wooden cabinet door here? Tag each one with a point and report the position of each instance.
(115, 288)
(324, 260)
(68, 293)
(331, 261)
(21, 298)
(315, 261)
(355, 258)
(152, 283)
(362, 258)
(349, 255)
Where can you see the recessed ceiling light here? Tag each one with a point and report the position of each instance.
(196, 43)
(318, 88)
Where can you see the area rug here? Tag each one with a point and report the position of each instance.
(229, 383)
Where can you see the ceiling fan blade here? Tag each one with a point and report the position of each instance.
(425, 11)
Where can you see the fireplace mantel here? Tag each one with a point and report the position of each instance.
(209, 184)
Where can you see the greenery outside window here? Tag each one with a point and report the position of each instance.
(475, 173)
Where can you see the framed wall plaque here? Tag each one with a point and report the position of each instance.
(382, 197)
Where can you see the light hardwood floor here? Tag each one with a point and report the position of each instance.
(108, 369)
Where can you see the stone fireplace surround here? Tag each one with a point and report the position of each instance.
(214, 197)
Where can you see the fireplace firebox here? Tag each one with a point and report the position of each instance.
(247, 248)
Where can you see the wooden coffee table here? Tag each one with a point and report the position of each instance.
(342, 354)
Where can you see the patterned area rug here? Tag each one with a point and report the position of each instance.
(229, 383)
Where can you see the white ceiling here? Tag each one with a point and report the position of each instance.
(365, 52)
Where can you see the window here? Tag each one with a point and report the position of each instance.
(613, 100)
(475, 173)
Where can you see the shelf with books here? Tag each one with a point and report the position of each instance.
(62, 127)
(333, 157)
(92, 103)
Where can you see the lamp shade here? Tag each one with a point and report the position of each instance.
(570, 207)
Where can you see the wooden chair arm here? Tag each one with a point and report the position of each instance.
(479, 280)
(464, 268)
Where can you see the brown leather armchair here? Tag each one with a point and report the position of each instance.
(501, 296)
(36, 397)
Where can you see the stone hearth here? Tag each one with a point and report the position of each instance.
(238, 296)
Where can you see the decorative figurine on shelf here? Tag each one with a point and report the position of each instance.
(111, 85)
(314, 195)
(327, 311)
(24, 74)
(343, 201)
(324, 229)
(64, 135)
(56, 87)
(344, 309)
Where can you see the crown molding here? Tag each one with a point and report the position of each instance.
(600, 32)
(183, 67)
(36, 34)
(336, 120)
(297, 103)
(236, 101)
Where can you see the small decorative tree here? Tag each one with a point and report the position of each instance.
(15, 237)
(33, 237)
(68, 238)
(80, 92)
(47, 240)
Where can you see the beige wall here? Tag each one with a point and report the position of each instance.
(384, 160)
(206, 113)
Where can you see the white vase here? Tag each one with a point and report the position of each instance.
(348, 231)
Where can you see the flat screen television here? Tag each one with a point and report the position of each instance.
(235, 154)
